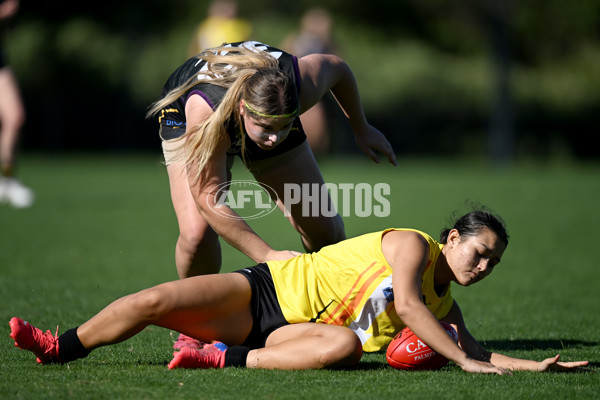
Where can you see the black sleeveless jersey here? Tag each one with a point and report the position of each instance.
(172, 119)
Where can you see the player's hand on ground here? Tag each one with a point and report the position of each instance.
(274, 255)
(482, 367)
(552, 364)
(371, 141)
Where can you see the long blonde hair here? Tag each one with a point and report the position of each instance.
(246, 74)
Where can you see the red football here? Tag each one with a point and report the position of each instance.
(406, 351)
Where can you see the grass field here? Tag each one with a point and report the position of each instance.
(103, 227)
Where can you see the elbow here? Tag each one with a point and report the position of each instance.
(205, 203)
(208, 203)
(405, 309)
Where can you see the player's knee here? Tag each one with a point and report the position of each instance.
(150, 304)
(194, 237)
(350, 349)
(198, 253)
(345, 351)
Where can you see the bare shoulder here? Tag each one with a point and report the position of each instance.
(317, 60)
(404, 245)
(405, 238)
(319, 73)
(314, 67)
(197, 110)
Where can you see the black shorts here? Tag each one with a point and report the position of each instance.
(266, 312)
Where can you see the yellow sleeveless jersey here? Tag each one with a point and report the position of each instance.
(350, 284)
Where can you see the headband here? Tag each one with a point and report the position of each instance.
(253, 111)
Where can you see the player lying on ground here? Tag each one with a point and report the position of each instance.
(315, 310)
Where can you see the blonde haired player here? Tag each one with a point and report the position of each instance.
(317, 310)
(244, 99)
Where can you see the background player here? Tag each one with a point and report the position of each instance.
(12, 117)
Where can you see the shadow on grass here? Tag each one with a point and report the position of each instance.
(536, 344)
(368, 366)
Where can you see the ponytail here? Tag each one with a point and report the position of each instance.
(202, 140)
(227, 67)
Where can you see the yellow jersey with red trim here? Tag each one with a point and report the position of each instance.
(350, 284)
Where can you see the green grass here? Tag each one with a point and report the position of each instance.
(103, 227)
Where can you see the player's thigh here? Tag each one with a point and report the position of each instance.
(290, 177)
(11, 106)
(191, 223)
(297, 166)
(218, 299)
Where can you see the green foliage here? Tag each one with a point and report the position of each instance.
(424, 68)
(103, 227)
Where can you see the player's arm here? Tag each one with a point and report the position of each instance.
(470, 345)
(226, 222)
(407, 253)
(326, 72)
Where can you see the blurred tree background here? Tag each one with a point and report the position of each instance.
(498, 78)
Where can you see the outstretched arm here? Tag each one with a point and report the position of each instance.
(476, 351)
(326, 72)
(407, 253)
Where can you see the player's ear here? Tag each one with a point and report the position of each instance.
(453, 237)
